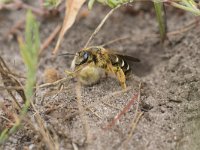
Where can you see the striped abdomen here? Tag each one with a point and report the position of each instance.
(119, 61)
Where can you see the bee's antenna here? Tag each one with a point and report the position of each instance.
(67, 54)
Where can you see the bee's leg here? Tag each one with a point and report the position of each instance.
(106, 74)
(69, 73)
(120, 76)
(73, 73)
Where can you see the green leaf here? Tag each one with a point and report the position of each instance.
(90, 4)
(29, 50)
(51, 3)
(24, 53)
(3, 136)
(114, 3)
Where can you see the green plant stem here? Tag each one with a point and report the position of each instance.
(160, 15)
(29, 52)
(195, 11)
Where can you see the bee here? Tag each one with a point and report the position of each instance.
(93, 63)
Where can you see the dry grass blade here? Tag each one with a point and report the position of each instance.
(100, 25)
(107, 97)
(189, 26)
(50, 39)
(96, 114)
(56, 83)
(110, 105)
(72, 8)
(11, 88)
(40, 126)
(124, 110)
(9, 81)
(134, 38)
(14, 30)
(137, 116)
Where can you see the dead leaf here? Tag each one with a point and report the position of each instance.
(72, 9)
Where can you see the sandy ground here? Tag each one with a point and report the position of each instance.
(169, 73)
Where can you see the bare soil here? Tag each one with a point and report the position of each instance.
(169, 73)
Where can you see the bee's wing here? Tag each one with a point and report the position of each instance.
(125, 57)
(129, 58)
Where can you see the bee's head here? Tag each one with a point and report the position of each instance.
(81, 57)
(86, 55)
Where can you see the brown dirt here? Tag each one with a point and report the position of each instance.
(170, 96)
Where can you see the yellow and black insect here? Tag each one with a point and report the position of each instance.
(91, 64)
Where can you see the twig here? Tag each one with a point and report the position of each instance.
(100, 25)
(136, 118)
(118, 116)
(61, 81)
(42, 129)
(15, 28)
(15, 100)
(10, 115)
(6, 119)
(50, 38)
(108, 97)
(19, 4)
(71, 115)
(105, 103)
(75, 147)
(6, 69)
(94, 103)
(11, 88)
(36, 11)
(115, 40)
(41, 2)
(94, 113)
(133, 127)
(14, 74)
(139, 98)
(149, 36)
(184, 29)
(10, 80)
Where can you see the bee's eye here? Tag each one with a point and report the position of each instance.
(85, 55)
(82, 57)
